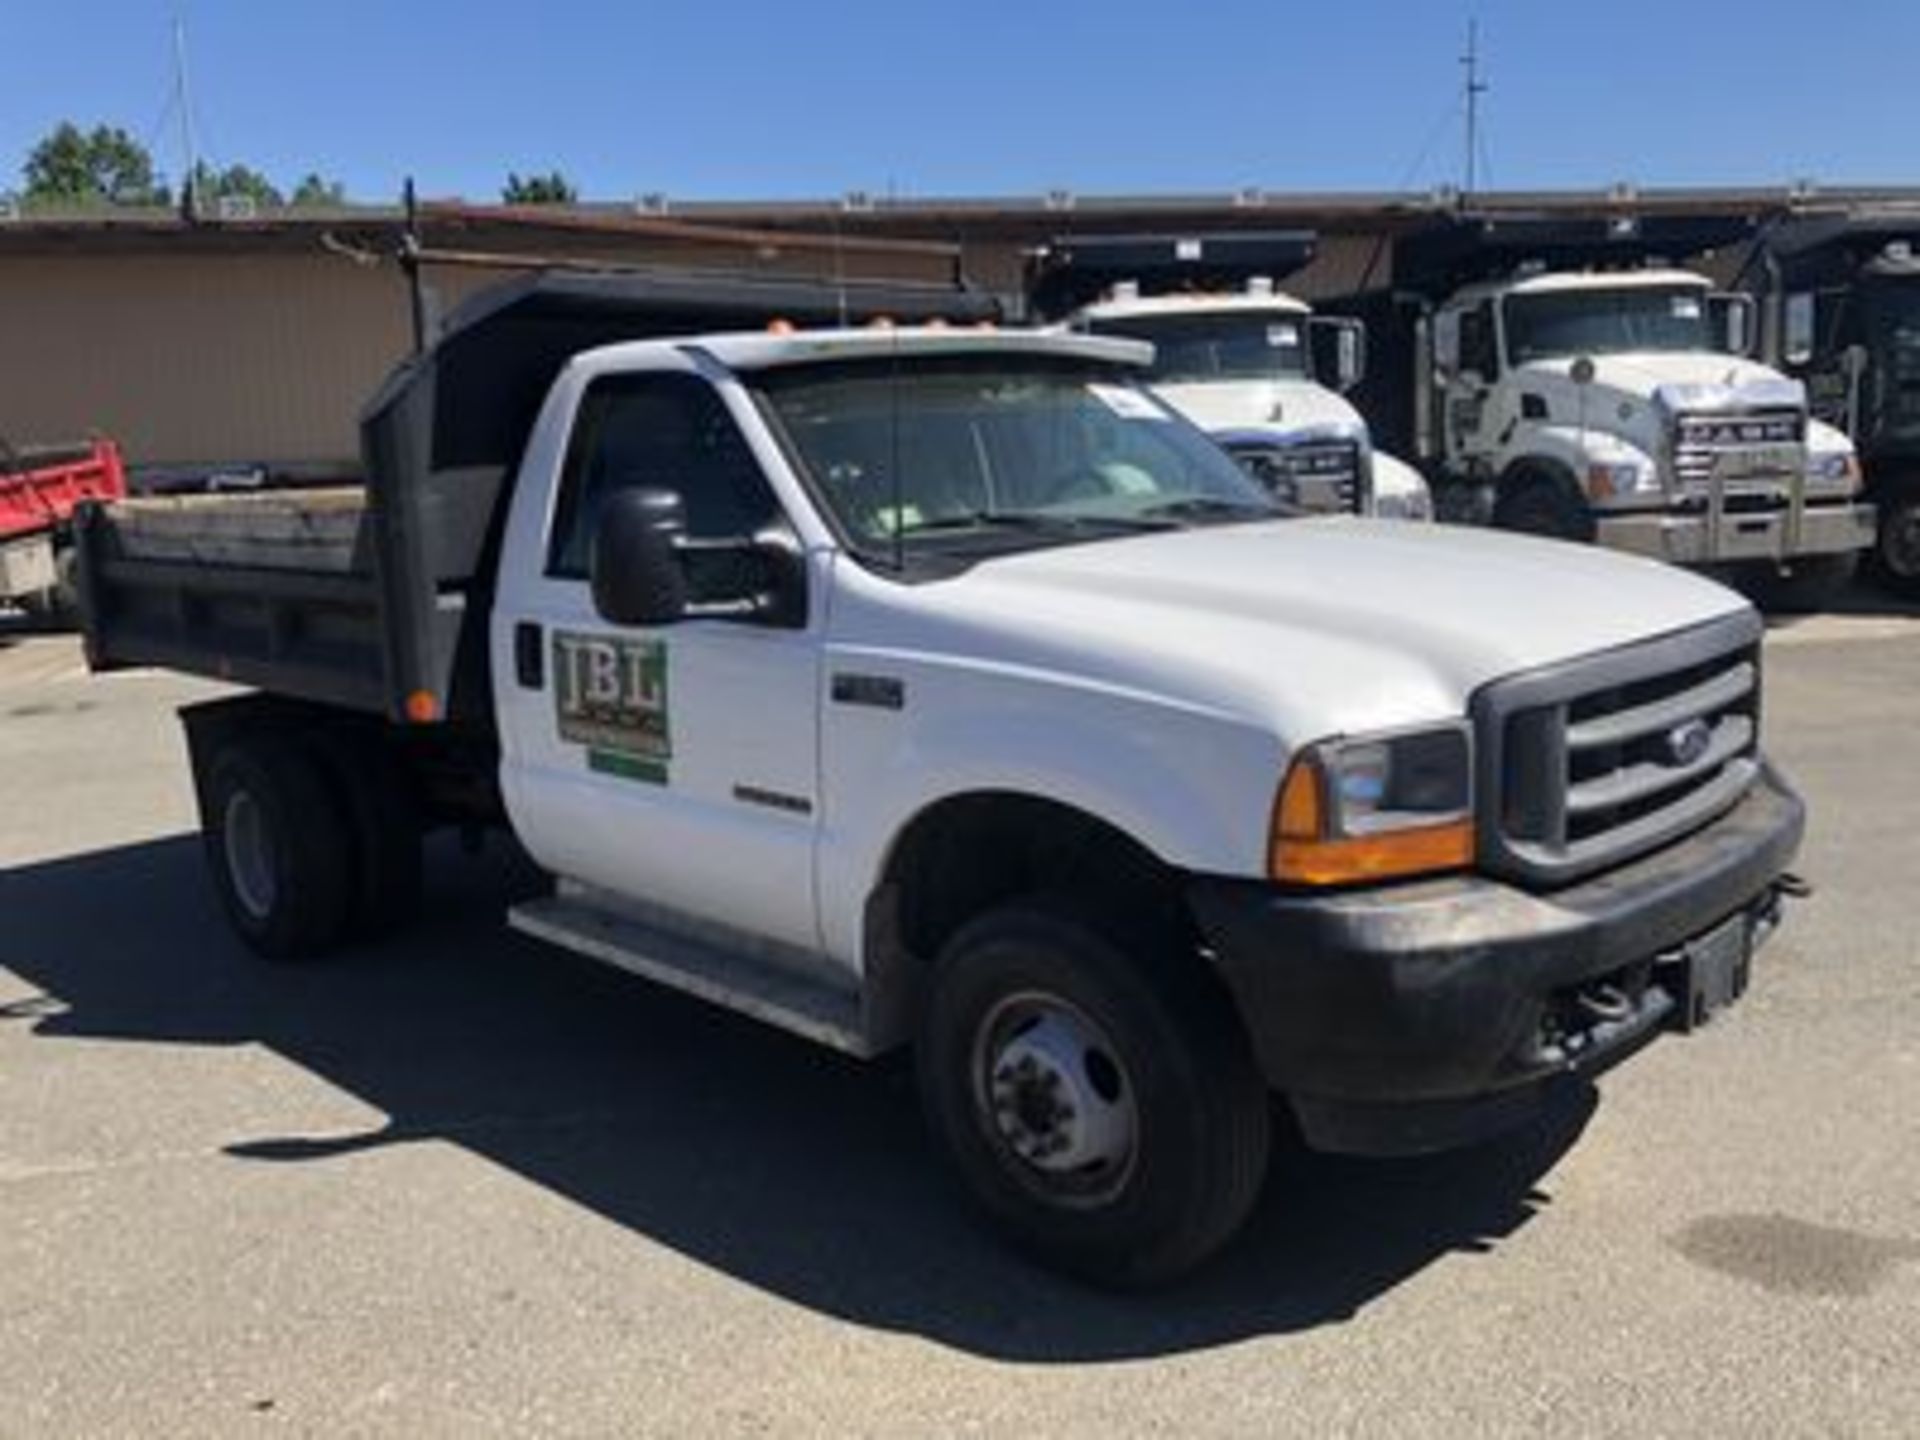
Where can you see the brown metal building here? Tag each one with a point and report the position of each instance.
(253, 342)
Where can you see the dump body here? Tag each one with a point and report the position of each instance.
(40, 488)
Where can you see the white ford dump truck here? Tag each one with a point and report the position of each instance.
(1248, 363)
(942, 687)
(1555, 378)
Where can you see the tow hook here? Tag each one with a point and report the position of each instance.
(1792, 886)
(1604, 1003)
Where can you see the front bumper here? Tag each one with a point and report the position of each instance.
(1419, 1016)
(1827, 528)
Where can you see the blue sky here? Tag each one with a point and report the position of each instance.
(739, 98)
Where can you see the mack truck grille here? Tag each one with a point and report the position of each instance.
(1317, 474)
(1587, 764)
(1757, 446)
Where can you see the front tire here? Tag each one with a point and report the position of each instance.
(1098, 1102)
(279, 848)
(1542, 507)
(1896, 552)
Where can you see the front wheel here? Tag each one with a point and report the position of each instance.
(1099, 1105)
(1896, 551)
(1541, 507)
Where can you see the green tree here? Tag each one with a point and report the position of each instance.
(103, 166)
(312, 190)
(553, 188)
(210, 186)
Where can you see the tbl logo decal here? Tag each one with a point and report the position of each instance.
(610, 695)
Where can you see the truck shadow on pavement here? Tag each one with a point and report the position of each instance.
(783, 1166)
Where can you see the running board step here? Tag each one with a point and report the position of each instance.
(739, 982)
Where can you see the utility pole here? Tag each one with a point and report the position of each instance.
(183, 101)
(1476, 87)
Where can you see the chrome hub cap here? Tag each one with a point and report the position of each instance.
(1058, 1107)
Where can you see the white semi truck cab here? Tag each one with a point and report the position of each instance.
(1568, 385)
(945, 688)
(1250, 364)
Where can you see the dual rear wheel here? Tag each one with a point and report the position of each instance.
(311, 840)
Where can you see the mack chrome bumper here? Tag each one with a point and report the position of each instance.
(1696, 539)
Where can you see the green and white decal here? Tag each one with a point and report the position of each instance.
(610, 695)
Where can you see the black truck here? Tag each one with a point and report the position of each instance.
(1840, 297)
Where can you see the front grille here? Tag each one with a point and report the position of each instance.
(1752, 445)
(1587, 764)
(1321, 475)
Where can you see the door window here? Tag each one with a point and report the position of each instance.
(668, 432)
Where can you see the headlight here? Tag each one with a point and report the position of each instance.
(1413, 505)
(1375, 808)
(1606, 481)
(1840, 467)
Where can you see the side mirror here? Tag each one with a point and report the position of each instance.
(1733, 322)
(645, 571)
(1796, 344)
(1339, 351)
(635, 570)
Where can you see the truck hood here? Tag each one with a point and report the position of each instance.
(1280, 409)
(1678, 380)
(1311, 627)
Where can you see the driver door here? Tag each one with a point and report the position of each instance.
(673, 765)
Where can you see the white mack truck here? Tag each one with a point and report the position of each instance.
(1248, 363)
(942, 687)
(1555, 378)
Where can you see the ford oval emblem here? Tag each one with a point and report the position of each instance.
(1688, 741)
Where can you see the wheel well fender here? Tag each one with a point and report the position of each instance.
(965, 853)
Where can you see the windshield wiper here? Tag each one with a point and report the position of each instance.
(1038, 521)
(1212, 507)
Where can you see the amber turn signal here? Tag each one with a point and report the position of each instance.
(1300, 850)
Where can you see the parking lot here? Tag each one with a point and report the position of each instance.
(457, 1182)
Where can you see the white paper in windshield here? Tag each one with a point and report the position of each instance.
(1283, 337)
(1127, 404)
(1686, 307)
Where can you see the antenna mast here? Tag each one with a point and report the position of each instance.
(183, 101)
(1476, 87)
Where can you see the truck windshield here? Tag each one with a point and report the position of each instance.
(1236, 345)
(1000, 451)
(1606, 322)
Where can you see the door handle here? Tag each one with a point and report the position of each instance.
(529, 656)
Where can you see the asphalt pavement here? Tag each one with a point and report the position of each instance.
(458, 1183)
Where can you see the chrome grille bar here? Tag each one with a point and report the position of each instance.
(1586, 764)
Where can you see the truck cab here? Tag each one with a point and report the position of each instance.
(1840, 308)
(1579, 387)
(1247, 362)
